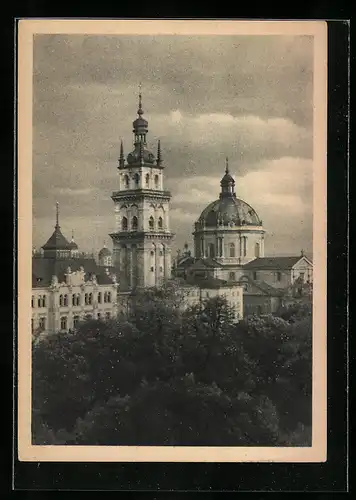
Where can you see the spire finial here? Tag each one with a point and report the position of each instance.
(159, 155)
(57, 215)
(140, 110)
(72, 234)
(121, 158)
(227, 165)
(302, 253)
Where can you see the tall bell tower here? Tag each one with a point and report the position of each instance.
(142, 237)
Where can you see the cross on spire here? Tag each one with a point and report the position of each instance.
(140, 110)
(57, 215)
(227, 165)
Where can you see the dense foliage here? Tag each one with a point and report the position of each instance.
(163, 376)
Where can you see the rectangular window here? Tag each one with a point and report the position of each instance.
(279, 276)
(108, 315)
(64, 323)
(32, 325)
(254, 275)
(232, 276)
(42, 324)
(99, 298)
(32, 301)
(76, 320)
(99, 315)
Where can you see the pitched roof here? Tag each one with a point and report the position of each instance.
(57, 241)
(185, 262)
(262, 285)
(43, 269)
(273, 263)
(208, 262)
(208, 282)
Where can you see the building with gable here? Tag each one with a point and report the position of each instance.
(68, 288)
(229, 240)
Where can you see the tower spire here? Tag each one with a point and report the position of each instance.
(159, 155)
(227, 171)
(121, 158)
(140, 110)
(72, 234)
(57, 216)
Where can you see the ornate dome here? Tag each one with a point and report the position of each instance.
(104, 252)
(135, 156)
(227, 211)
(73, 245)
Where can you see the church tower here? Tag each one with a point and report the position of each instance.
(142, 237)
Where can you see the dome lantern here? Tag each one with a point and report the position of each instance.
(140, 155)
(227, 183)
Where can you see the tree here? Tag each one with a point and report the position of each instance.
(182, 412)
(163, 375)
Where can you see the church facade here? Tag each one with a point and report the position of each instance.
(142, 237)
(229, 245)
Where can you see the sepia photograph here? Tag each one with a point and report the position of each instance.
(172, 240)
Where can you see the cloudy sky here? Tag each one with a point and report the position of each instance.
(245, 97)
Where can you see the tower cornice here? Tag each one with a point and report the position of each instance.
(141, 235)
(134, 194)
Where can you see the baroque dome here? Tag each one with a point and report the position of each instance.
(104, 252)
(135, 156)
(228, 211)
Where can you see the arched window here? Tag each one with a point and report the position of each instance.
(33, 301)
(244, 246)
(105, 297)
(160, 223)
(156, 181)
(211, 250)
(137, 180)
(134, 223)
(147, 180)
(74, 302)
(64, 323)
(76, 320)
(86, 299)
(151, 222)
(42, 324)
(78, 299)
(99, 298)
(124, 224)
(60, 300)
(65, 300)
(126, 181)
(109, 297)
(90, 298)
(232, 249)
(257, 250)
